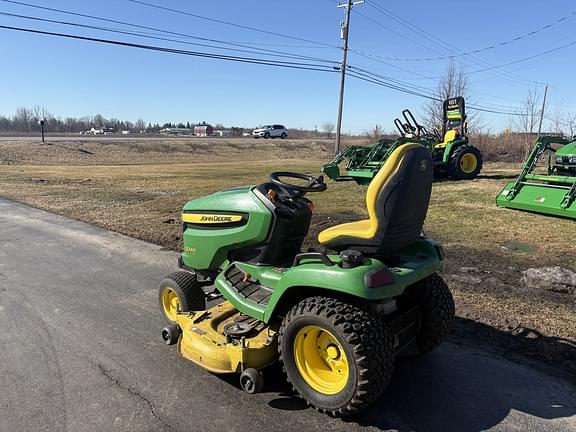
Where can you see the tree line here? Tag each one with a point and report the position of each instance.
(26, 120)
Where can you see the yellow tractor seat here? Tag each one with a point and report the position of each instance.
(397, 202)
(450, 135)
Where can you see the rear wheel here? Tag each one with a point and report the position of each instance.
(338, 357)
(437, 312)
(180, 292)
(283, 136)
(465, 163)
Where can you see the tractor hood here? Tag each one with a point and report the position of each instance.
(567, 150)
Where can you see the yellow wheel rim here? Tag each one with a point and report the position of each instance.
(170, 303)
(321, 360)
(468, 163)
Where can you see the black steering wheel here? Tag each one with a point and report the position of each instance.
(313, 184)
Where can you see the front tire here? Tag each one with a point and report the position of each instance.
(267, 135)
(337, 356)
(437, 312)
(180, 292)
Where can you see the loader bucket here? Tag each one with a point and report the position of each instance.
(551, 199)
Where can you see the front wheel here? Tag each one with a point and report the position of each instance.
(266, 135)
(337, 356)
(180, 292)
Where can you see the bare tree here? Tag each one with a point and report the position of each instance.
(328, 128)
(377, 132)
(557, 121)
(453, 83)
(530, 113)
(39, 113)
(140, 125)
(569, 122)
(22, 119)
(527, 121)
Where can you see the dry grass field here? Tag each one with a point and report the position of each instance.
(510, 270)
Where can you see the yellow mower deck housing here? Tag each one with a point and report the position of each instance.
(204, 342)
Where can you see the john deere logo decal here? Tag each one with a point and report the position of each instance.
(423, 165)
(206, 218)
(210, 218)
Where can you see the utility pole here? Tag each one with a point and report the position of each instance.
(542, 112)
(42, 121)
(344, 27)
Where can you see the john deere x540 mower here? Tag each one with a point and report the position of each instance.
(452, 154)
(246, 296)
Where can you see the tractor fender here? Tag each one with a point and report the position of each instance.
(451, 147)
(313, 278)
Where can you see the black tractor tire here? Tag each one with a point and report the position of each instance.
(283, 136)
(189, 291)
(366, 341)
(267, 135)
(456, 163)
(436, 312)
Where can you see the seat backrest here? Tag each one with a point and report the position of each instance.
(398, 197)
(450, 135)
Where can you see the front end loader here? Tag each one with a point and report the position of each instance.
(552, 192)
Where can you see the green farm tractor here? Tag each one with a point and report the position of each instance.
(452, 154)
(551, 192)
(246, 296)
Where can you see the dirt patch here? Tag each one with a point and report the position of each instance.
(555, 279)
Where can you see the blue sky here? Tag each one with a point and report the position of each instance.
(75, 78)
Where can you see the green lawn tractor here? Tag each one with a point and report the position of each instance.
(451, 152)
(552, 192)
(246, 296)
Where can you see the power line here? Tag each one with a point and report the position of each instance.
(444, 45)
(124, 23)
(358, 74)
(219, 21)
(252, 60)
(139, 34)
(377, 79)
(475, 51)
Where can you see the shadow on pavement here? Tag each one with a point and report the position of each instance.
(467, 385)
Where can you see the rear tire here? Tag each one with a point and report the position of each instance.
(283, 136)
(465, 163)
(180, 291)
(437, 312)
(337, 356)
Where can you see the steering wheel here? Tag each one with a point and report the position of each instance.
(314, 184)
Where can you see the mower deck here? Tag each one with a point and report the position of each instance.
(222, 340)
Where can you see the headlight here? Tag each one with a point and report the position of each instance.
(572, 159)
(558, 159)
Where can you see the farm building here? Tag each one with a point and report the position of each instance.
(176, 131)
(203, 130)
